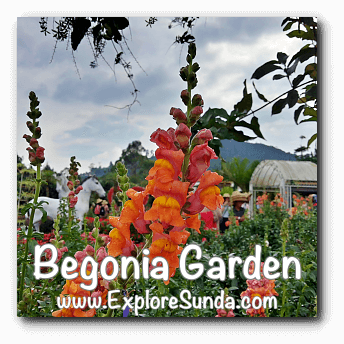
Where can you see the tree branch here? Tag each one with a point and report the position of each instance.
(252, 112)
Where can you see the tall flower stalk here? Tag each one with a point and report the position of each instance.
(74, 187)
(182, 161)
(284, 236)
(36, 158)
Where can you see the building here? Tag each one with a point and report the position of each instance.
(285, 177)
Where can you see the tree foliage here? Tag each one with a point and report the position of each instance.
(136, 159)
(102, 31)
(239, 171)
(302, 92)
(303, 89)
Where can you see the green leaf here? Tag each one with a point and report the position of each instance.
(260, 96)
(232, 288)
(278, 76)
(298, 112)
(233, 134)
(266, 68)
(292, 68)
(256, 127)
(26, 208)
(278, 106)
(288, 26)
(282, 57)
(310, 112)
(244, 106)
(215, 144)
(44, 216)
(80, 27)
(309, 35)
(292, 98)
(304, 54)
(311, 70)
(311, 92)
(311, 119)
(314, 136)
(298, 79)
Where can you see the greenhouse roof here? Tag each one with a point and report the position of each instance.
(273, 173)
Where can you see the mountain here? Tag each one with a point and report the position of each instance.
(251, 151)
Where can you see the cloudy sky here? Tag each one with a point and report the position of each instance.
(78, 102)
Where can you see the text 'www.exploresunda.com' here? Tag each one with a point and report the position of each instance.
(187, 301)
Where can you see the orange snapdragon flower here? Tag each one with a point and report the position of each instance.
(166, 246)
(207, 194)
(133, 211)
(259, 288)
(161, 175)
(72, 289)
(166, 209)
(120, 243)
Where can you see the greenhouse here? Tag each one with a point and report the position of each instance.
(285, 177)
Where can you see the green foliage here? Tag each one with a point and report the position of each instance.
(224, 125)
(308, 94)
(239, 171)
(135, 158)
(265, 230)
(226, 189)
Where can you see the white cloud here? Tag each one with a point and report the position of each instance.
(74, 110)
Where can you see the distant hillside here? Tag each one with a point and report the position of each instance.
(230, 149)
(251, 151)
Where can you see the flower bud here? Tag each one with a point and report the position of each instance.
(197, 100)
(95, 231)
(203, 136)
(73, 201)
(89, 250)
(100, 241)
(123, 179)
(53, 241)
(27, 138)
(178, 115)
(78, 189)
(33, 143)
(30, 126)
(70, 185)
(185, 95)
(32, 156)
(121, 169)
(192, 50)
(37, 132)
(183, 135)
(196, 111)
(192, 80)
(71, 194)
(184, 73)
(40, 154)
(195, 67)
(60, 245)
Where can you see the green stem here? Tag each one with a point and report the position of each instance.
(130, 272)
(284, 290)
(29, 233)
(186, 163)
(69, 218)
(41, 292)
(189, 90)
(139, 258)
